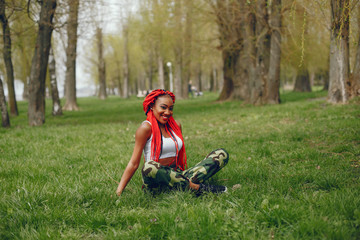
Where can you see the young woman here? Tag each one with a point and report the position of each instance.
(161, 140)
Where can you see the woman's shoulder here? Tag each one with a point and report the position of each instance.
(144, 129)
(178, 123)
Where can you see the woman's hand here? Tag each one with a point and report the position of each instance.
(141, 136)
(118, 191)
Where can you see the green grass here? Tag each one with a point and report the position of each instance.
(293, 173)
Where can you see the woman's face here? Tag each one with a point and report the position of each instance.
(163, 108)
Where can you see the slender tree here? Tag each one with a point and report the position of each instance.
(161, 71)
(101, 65)
(36, 107)
(187, 47)
(158, 22)
(7, 59)
(150, 69)
(5, 121)
(339, 52)
(178, 50)
(70, 77)
(126, 62)
(56, 106)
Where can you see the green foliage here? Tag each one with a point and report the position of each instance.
(23, 37)
(293, 173)
(305, 36)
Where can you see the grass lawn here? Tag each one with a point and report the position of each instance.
(294, 172)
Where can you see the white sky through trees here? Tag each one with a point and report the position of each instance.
(110, 14)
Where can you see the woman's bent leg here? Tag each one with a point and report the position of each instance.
(156, 176)
(205, 169)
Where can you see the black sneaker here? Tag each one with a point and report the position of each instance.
(211, 189)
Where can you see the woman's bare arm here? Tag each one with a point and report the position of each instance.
(141, 136)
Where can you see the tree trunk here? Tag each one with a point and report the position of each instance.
(212, 80)
(161, 72)
(312, 79)
(228, 70)
(5, 121)
(119, 78)
(302, 82)
(326, 82)
(70, 77)
(7, 60)
(36, 107)
(229, 46)
(178, 51)
(101, 65)
(126, 62)
(178, 76)
(250, 57)
(56, 107)
(258, 79)
(339, 52)
(25, 94)
(187, 48)
(199, 88)
(232, 19)
(150, 74)
(355, 87)
(245, 51)
(273, 84)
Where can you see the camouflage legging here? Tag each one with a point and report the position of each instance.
(158, 177)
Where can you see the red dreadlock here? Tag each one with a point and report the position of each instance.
(156, 144)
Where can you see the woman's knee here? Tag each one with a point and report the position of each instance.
(221, 156)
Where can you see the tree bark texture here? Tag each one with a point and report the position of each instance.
(250, 33)
(150, 69)
(230, 44)
(178, 52)
(101, 65)
(355, 88)
(119, 78)
(262, 53)
(302, 82)
(70, 76)
(7, 60)
(199, 74)
(5, 121)
(126, 63)
(187, 48)
(273, 83)
(244, 40)
(36, 106)
(161, 72)
(56, 106)
(212, 80)
(250, 51)
(339, 52)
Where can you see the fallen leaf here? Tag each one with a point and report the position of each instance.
(236, 186)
